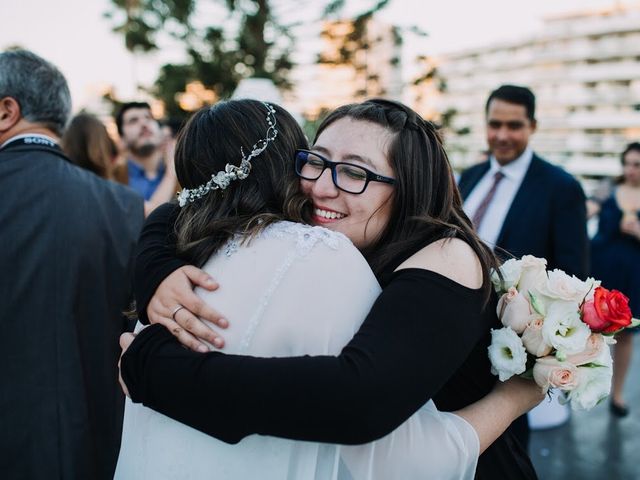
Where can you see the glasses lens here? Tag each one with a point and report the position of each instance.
(348, 177)
(351, 178)
(308, 165)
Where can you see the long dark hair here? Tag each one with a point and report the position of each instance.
(210, 140)
(426, 203)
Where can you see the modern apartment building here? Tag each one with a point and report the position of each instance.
(584, 68)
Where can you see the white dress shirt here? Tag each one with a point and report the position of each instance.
(514, 173)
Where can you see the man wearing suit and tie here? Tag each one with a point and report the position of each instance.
(521, 203)
(66, 262)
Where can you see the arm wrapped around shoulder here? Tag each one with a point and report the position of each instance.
(418, 333)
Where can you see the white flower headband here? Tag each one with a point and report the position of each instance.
(222, 179)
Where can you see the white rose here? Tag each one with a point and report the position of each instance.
(592, 352)
(563, 329)
(561, 286)
(593, 386)
(510, 270)
(604, 358)
(591, 284)
(506, 353)
(533, 276)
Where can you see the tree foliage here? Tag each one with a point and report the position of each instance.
(246, 40)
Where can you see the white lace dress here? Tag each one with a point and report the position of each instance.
(293, 290)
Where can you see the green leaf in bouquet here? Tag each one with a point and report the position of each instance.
(593, 365)
(536, 304)
(528, 374)
(561, 356)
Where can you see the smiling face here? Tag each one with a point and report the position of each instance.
(361, 217)
(508, 130)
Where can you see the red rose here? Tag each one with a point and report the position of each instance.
(608, 312)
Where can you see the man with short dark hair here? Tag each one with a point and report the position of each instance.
(141, 136)
(65, 276)
(521, 203)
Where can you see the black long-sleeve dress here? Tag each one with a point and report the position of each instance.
(425, 337)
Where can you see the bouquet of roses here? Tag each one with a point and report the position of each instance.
(557, 330)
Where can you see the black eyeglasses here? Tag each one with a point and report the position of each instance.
(347, 177)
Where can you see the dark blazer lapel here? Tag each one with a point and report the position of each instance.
(522, 201)
(472, 177)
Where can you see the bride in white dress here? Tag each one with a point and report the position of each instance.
(304, 291)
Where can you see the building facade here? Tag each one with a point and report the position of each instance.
(583, 67)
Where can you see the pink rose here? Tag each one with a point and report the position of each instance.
(533, 340)
(593, 349)
(514, 310)
(549, 372)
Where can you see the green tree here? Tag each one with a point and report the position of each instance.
(353, 43)
(248, 40)
(218, 55)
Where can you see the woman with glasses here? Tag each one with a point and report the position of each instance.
(378, 174)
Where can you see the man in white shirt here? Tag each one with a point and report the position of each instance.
(521, 204)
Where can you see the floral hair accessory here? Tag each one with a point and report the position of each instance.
(222, 179)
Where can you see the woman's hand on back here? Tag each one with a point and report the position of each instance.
(175, 306)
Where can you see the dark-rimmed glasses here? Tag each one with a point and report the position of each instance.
(347, 177)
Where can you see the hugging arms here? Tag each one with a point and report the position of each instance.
(389, 369)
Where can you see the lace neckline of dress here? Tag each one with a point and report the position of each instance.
(306, 236)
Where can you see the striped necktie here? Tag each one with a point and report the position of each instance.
(486, 201)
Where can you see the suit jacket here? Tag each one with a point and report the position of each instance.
(67, 242)
(547, 217)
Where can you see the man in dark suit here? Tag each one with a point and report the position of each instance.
(521, 203)
(65, 276)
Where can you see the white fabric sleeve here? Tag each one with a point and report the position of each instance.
(430, 444)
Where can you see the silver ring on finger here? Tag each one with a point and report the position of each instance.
(176, 310)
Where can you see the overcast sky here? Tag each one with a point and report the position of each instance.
(74, 35)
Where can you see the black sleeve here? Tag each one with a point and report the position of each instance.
(418, 333)
(155, 256)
